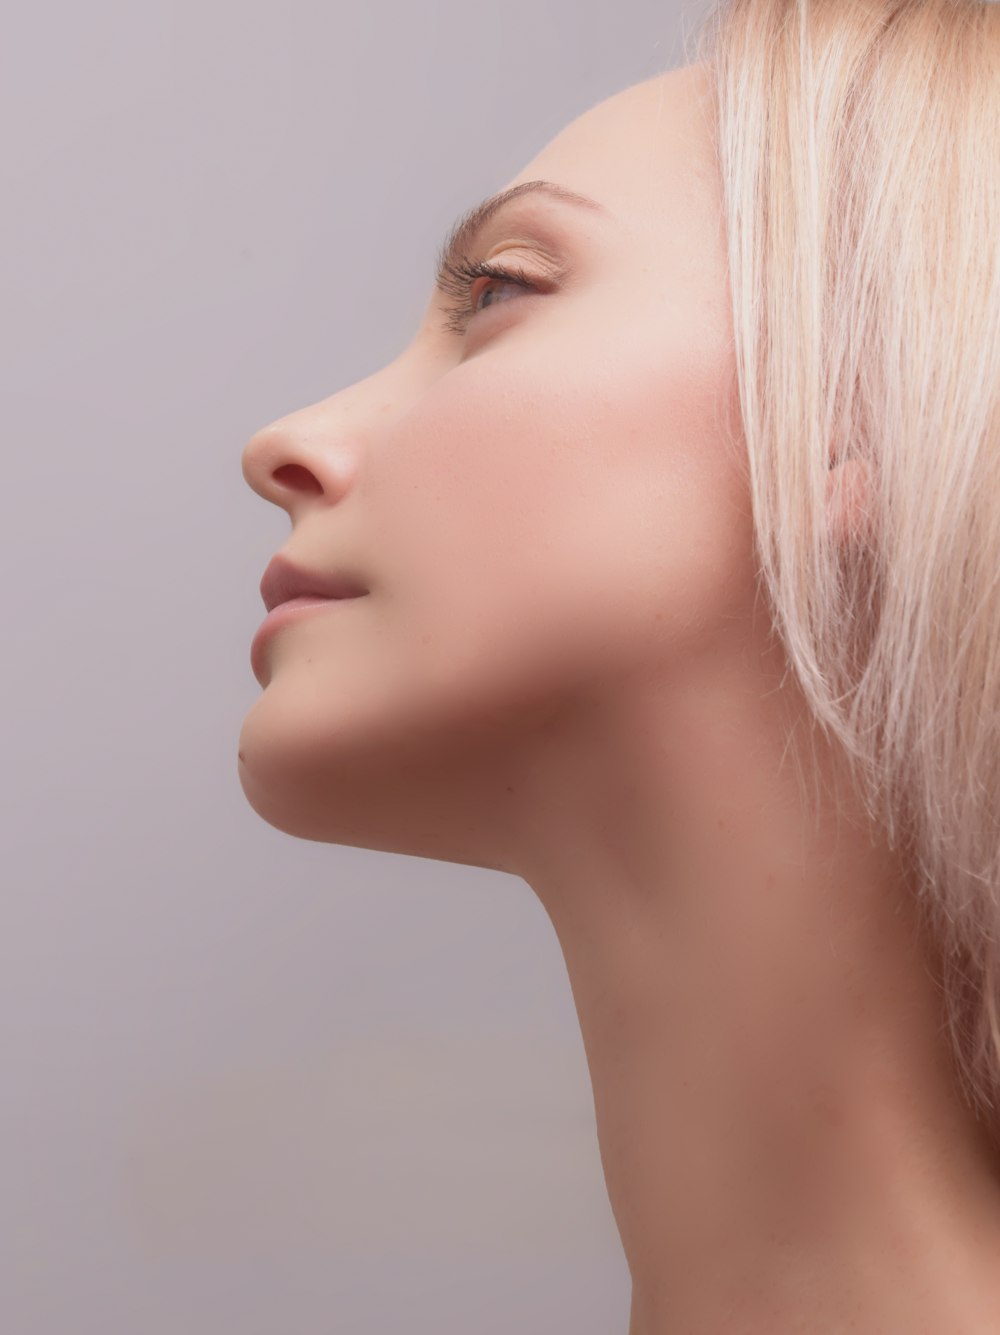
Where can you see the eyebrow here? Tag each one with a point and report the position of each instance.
(465, 231)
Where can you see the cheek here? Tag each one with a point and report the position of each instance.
(650, 550)
(573, 513)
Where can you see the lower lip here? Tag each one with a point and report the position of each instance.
(281, 616)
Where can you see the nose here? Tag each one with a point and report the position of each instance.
(299, 459)
(312, 457)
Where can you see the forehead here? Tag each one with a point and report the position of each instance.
(646, 153)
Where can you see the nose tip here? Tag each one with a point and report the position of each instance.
(251, 462)
(265, 463)
(296, 461)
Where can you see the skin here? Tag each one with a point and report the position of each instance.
(564, 670)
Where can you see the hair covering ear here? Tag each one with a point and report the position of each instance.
(848, 498)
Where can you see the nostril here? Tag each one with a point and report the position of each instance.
(296, 478)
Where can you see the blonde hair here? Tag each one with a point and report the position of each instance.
(859, 150)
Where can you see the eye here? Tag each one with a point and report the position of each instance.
(457, 278)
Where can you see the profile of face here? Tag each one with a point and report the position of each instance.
(540, 496)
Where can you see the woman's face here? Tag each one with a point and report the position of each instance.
(538, 496)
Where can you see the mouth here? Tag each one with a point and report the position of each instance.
(285, 583)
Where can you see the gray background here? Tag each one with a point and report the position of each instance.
(251, 1083)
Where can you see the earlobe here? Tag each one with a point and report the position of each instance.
(848, 499)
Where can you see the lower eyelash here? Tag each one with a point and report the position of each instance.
(457, 278)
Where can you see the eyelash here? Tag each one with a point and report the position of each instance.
(457, 280)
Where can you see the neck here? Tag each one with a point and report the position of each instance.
(780, 1125)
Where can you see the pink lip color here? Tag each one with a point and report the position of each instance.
(280, 616)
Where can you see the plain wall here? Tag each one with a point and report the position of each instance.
(250, 1083)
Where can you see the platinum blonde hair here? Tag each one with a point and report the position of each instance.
(859, 150)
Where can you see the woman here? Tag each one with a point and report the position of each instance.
(678, 525)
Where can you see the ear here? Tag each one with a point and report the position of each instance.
(849, 499)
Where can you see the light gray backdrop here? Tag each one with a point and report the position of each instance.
(253, 1084)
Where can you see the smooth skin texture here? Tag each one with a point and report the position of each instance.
(564, 670)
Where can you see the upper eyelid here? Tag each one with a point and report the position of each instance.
(467, 234)
(549, 242)
(509, 265)
(548, 250)
(539, 265)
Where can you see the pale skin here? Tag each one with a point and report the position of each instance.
(563, 671)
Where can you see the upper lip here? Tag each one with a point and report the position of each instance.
(283, 581)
